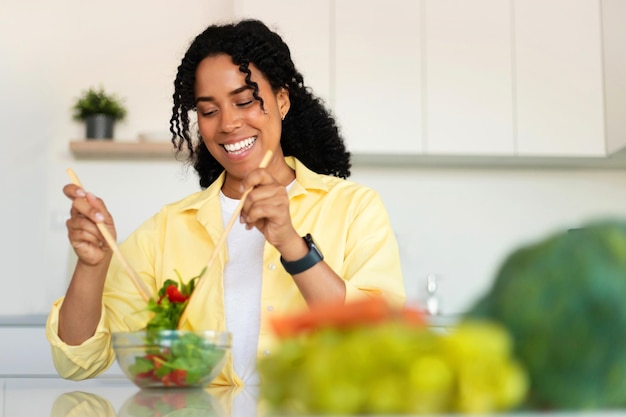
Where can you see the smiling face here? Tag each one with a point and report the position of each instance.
(235, 128)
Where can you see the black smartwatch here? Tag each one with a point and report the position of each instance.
(310, 259)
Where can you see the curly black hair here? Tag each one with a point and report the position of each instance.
(309, 131)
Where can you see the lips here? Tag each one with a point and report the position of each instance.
(240, 146)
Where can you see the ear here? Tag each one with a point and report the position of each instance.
(282, 98)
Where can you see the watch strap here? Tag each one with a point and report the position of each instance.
(308, 261)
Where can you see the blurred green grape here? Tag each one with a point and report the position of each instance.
(431, 384)
(394, 368)
(488, 379)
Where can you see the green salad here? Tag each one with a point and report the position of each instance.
(171, 357)
(176, 359)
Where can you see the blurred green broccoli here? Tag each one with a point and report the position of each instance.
(563, 299)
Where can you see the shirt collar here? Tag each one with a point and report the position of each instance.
(305, 178)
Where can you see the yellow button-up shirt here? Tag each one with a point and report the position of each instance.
(348, 221)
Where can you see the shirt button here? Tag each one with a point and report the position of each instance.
(266, 352)
(271, 267)
(270, 308)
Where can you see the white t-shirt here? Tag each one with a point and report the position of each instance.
(242, 292)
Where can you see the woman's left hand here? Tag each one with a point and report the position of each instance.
(267, 208)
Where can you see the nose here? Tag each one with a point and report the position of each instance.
(230, 120)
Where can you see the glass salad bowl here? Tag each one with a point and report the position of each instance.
(171, 358)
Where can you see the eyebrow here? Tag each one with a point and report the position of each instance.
(232, 93)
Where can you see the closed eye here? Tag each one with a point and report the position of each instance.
(208, 113)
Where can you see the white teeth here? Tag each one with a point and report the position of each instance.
(244, 144)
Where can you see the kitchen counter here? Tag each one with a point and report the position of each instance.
(26, 351)
(23, 320)
(113, 396)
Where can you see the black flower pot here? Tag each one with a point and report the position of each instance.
(100, 126)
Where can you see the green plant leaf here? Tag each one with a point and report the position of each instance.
(97, 101)
(141, 366)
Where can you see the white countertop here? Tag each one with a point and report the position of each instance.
(30, 386)
(33, 396)
(117, 397)
(107, 397)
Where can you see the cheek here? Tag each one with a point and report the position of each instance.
(207, 134)
(277, 135)
(272, 118)
(206, 126)
(273, 125)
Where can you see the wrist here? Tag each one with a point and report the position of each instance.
(296, 249)
(98, 268)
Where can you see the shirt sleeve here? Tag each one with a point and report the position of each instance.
(86, 360)
(372, 259)
(123, 309)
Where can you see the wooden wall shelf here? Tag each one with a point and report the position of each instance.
(126, 150)
(111, 149)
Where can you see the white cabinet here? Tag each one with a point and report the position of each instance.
(467, 77)
(378, 75)
(305, 27)
(529, 78)
(614, 51)
(558, 78)
(26, 352)
(524, 78)
(424, 77)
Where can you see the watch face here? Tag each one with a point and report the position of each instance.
(311, 244)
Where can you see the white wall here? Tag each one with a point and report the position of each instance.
(459, 223)
(50, 53)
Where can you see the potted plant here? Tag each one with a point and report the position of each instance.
(99, 110)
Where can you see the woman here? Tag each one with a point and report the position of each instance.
(240, 82)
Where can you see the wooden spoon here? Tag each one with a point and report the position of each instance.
(139, 284)
(222, 239)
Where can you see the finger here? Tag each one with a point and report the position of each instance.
(257, 177)
(271, 191)
(265, 187)
(93, 208)
(81, 207)
(83, 229)
(73, 191)
(82, 238)
(272, 211)
(89, 253)
(267, 206)
(100, 212)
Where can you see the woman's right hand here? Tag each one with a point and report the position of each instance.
(87, 241)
